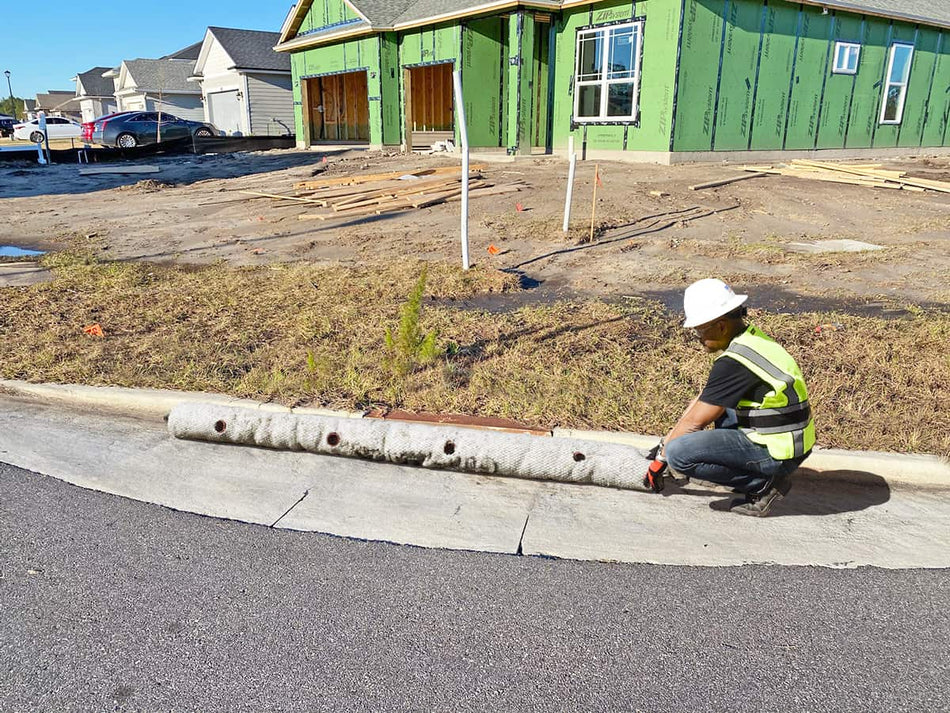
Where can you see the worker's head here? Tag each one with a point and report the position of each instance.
(715, 312)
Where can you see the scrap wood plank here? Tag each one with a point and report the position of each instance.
(724, 181)
(395, 191)
(492, 191)
(93, 171)
(366, 178)
(941, 186)
(261, 194)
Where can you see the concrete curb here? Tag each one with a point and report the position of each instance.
(895, 469)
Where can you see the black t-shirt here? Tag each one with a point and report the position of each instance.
(729, 382)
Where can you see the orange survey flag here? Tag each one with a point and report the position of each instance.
(94, 330)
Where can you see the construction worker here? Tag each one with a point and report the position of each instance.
(756, 398)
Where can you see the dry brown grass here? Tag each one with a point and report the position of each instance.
(875, 383)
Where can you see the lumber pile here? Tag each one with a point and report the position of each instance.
(872, 175)
(376, 194)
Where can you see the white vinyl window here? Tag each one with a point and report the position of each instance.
(607, 78)
(895, 86)
(846, 58)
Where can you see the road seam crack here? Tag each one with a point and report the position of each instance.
(287, 511)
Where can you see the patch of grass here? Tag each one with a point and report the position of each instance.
(307, 334)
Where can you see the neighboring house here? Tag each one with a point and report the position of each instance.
(95, 93)
(657, 80)
(157, 85)
(59, 103)
(189, 52)
(245, 84)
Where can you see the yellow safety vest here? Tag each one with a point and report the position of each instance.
(782, 422)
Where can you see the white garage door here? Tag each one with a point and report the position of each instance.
(224, 110)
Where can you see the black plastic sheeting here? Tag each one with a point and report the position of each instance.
(215, 144)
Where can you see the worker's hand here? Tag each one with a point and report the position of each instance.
(654, 475)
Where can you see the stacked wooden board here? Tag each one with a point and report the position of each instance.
(375, 194)
(872, 175)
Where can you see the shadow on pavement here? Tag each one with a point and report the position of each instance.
(829, 492)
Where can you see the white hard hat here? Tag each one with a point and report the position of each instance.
(709, 299)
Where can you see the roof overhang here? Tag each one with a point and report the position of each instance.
(321, 38)
(861, 10)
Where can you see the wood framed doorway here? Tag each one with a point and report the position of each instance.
(430, 108)
(337, 108)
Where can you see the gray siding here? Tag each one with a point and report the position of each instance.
(270, 97)
(184, 106)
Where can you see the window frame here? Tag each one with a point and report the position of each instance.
(839, 45)
(903, 85)
(605, 31)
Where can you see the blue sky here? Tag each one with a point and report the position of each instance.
(45, 44)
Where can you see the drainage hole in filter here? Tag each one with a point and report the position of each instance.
(333, 439)
(578, 456)
(219, 426)
(449, 448)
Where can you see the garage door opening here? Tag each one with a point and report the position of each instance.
(429, 104)
(338, 108)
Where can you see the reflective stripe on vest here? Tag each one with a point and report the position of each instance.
(782, 421)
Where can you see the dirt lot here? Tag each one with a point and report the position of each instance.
(653, 235)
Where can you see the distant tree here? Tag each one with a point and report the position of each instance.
(15, 108)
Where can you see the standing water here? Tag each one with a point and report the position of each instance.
(14, 251)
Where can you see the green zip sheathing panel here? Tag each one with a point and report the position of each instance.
(886, 134)
(938, 106)
(866, 103)
(326, 13)
(839, 88)
(389, 89)
(779, 42)
(657, 77)
(483, 67)
(811, 63)
(426, 45)
(698, 74)
(918, 90)
(740, 54)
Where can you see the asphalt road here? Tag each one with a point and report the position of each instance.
(111, 604)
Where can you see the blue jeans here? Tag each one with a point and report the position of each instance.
(727, 457)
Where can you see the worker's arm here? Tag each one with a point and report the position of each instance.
(696, 417)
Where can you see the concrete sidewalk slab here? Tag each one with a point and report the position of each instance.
(848, 525)
(413, 506)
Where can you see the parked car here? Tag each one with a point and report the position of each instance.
(56, 128)
(89, 126)
(141, 127)
(6, 125)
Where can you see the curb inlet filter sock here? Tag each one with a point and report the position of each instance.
(438, 447)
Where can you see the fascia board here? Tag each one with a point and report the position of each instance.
(253, 70)
(203, 52)
(309, 41)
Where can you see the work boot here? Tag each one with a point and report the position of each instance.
(759, 505)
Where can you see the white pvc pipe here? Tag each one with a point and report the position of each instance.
(570, 183)
(463, 135)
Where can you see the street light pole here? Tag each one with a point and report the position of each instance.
(10, 87)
